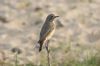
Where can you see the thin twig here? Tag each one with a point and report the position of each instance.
(48, 52)
(16, 61)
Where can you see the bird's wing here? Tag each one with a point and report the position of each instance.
(45, 32)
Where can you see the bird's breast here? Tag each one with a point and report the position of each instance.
(50, 34)
(52, 27)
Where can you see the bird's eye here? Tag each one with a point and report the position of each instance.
(51, 17)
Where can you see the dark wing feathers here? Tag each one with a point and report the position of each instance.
(45, 31)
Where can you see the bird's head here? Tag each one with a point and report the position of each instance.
(51, 17)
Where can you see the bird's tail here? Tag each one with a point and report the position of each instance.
(41, 43)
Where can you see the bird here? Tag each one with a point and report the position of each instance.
(47, 30)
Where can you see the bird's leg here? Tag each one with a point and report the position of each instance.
(47, 46)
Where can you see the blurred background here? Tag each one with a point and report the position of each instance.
(76, 40)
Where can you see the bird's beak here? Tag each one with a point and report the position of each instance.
(56, 16)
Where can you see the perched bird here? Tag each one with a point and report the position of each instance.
(47, 30)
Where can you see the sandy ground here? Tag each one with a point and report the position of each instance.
(78, 27)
